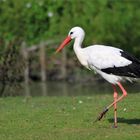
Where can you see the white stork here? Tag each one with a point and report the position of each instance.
(113, 64)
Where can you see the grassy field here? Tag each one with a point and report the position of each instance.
(68, 118)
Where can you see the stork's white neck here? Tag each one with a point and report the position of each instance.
(78, 44)
(79, 51)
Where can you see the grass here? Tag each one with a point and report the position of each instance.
(68, 118)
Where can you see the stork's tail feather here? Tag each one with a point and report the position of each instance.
(134, 70)
(131, 70)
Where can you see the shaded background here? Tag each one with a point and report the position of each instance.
(31, 30)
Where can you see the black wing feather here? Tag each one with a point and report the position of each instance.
(132, 70)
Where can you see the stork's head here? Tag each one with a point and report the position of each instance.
(74, 33)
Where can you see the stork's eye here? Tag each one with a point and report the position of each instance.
(71, 33)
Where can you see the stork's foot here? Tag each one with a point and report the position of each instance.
(102, 114)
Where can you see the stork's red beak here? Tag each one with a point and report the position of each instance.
(63, 44)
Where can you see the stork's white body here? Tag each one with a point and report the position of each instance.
(99, 57)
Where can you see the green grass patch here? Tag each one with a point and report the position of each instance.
(68, 118)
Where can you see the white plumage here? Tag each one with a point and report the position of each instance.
(103, 57)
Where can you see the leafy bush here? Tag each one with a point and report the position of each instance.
(106, 22)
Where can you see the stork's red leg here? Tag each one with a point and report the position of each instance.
(115, 106)
(114, 103)
(121, 97)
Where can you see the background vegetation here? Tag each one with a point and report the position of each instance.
(109, 22)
